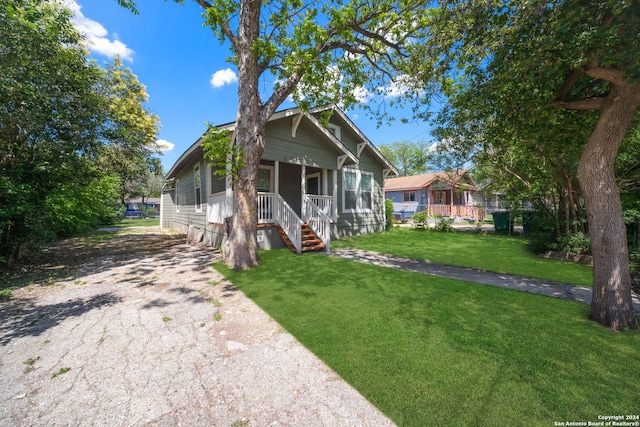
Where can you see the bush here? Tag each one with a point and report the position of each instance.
(444, 224)
(388, 213)
(574, 243)
(420, 220)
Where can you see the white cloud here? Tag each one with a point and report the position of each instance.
(402, 85)
(164, 145)
(97, 35)
(223, 77)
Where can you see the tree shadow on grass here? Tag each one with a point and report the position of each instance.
(24, 317)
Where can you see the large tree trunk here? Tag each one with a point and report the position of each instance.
(240, 251)
(611, 303)
(241, 246)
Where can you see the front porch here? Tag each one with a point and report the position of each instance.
(311, 230)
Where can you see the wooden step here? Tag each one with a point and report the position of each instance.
(310, 240)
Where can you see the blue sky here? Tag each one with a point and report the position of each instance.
(184, 69)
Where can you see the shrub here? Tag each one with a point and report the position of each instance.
(388, 213)
(444, 224)
(420, 220)
(574, 243)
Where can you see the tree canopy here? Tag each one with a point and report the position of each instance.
(410, 158)
(58, 113)
(561, 79)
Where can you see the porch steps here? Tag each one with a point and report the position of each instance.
(310, 240)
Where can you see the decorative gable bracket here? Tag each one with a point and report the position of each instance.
(294, 125)
(341, 160)
(361, 147)
(386, 172)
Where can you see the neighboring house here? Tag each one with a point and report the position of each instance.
(447, 194)
(135, 208)
(327, 179)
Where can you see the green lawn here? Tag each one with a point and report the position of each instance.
(485, 251)
(433, 351)
(143, 222)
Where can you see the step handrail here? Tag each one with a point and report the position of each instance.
(289, 221)
(319, 221)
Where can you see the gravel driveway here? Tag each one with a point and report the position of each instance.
(140, 330)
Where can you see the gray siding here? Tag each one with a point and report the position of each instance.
(353, 223)
(186, 215)
(304, 148)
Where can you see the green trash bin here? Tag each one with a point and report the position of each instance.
(501, 222)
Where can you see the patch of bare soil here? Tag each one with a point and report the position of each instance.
(62, 260)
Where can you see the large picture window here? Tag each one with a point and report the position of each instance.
(357, 191)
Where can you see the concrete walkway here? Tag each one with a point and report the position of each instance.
(507, 281)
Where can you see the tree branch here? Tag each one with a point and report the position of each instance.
(580, 104)
(226, 29)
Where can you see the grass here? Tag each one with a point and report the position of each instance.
(60, 372)
(142, 222)
(492, 252)
(433, 351)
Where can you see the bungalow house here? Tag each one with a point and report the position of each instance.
(315, 184)
(449, 194)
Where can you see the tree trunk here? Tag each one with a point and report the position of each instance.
(611, 304)
(241, 248)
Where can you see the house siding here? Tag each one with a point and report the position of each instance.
(354, 223)
(303, 149)
(187, 215)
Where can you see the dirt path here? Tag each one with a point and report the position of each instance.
(140, 330)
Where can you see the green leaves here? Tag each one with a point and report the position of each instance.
(221, 151)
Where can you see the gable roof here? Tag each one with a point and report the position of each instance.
(377, 153)
(196, 152)
(417, 182)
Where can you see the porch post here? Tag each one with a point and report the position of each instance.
(451, 213)
(276, 177)
(324, 183)
(335, 195)
(303, 181)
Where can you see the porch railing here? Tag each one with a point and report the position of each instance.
(461, 211)
(219, 208)
(319, 221)
(324, 203)
(273, 209)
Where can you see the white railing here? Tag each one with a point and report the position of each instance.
(273, 209)
(319, 221)
(265, 208)
(219, 208)
(324, 203)
(287, 219)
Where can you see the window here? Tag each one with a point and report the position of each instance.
(265, 179)
(357, 191)
(366, 191)
(409, 196)
(334, 130)
(177, 190)
(197, 183)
